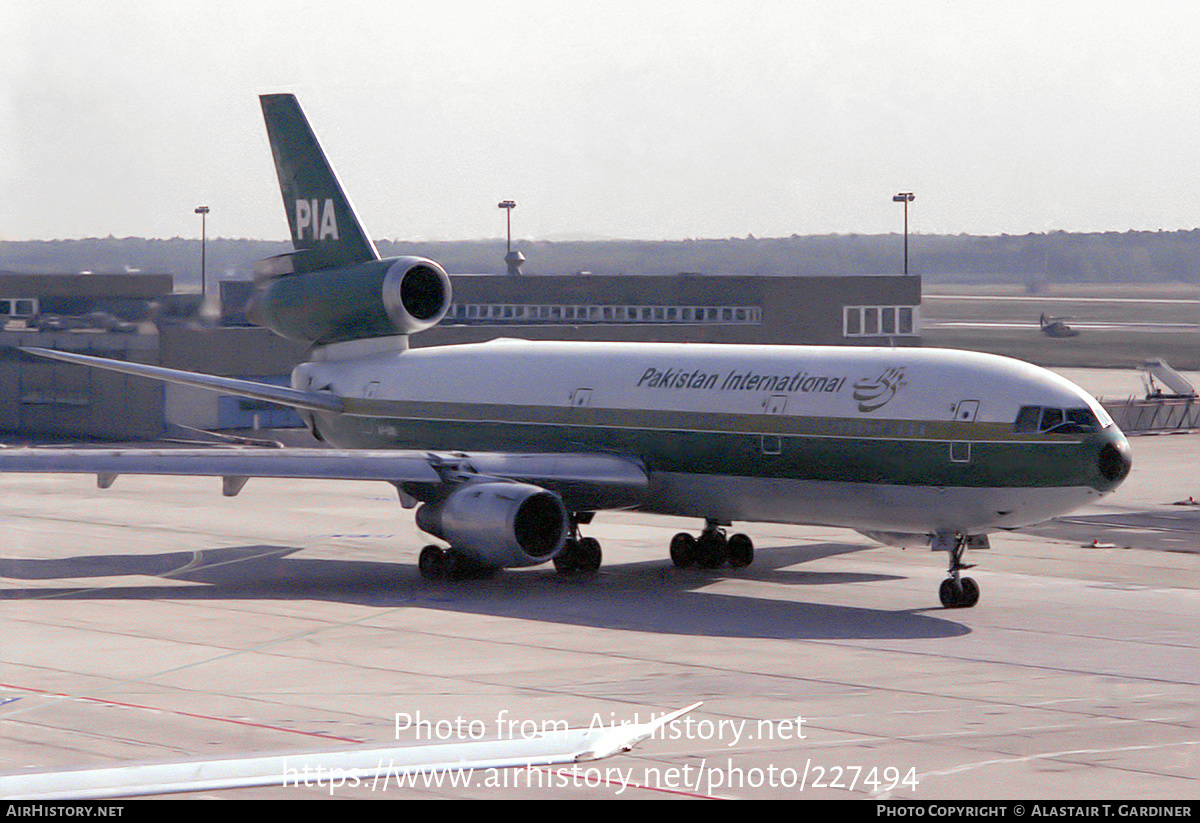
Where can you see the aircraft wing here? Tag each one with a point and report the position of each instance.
(377, 769)
(585, 482)
(313, 401)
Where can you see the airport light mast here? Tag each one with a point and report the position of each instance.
(905, 197)
(203, 212)
(513, 259)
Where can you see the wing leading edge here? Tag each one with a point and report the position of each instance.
(585, 482)
(312, 401)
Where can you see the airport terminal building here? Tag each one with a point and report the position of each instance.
(123, 317)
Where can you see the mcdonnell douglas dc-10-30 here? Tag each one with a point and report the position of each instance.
(509, 447)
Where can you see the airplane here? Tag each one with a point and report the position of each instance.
(507, 448)
(1057, 326)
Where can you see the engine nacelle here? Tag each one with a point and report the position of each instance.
(382, 298)
(499, 524)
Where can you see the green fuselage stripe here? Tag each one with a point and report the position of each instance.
(706, 422)
(899, 452)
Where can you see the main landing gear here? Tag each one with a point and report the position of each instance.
(957, 592)
(712, 549)
(579, 555)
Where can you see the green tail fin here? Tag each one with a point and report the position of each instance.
(325, 230)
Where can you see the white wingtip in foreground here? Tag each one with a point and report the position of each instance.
(371, 768)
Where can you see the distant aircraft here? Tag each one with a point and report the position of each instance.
(1057, 327)
(509, 447)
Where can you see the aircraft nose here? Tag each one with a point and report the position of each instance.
(1115, 459)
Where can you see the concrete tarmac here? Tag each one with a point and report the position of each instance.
(160, 621)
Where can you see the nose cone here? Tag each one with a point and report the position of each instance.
(1114, 459)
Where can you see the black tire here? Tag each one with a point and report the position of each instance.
(711, 550)
(589, 555)
(431, 563)
(454, 565)
(970, 592)
(683, 550)
(567, 559)
(741, 551)
(950, 593)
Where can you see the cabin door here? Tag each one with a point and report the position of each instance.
(773, 406)
(579, 415)
(964, 412)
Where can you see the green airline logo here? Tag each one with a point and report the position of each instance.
(874, 394)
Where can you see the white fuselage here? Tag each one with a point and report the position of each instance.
(903, 439)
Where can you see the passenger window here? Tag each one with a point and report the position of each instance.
(1028, 419)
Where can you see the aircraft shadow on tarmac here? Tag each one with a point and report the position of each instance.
(647, 596)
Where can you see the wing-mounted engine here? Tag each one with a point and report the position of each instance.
(500, 524)
(379, 298)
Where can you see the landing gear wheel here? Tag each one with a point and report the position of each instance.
(567, 559)
(589, 555)
(949, 593)
(741, 551)
(970, 590)
(959, 594)
(711, 550)
(683, 550)
(582, 556)
(454, 565)
(432, 563)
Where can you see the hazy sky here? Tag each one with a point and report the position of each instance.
(646, 119)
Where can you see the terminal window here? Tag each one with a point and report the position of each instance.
(880, 321)
(493, 314)
(18, 307)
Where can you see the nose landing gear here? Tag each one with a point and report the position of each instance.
(957, 592)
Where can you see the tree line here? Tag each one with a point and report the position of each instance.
(1063, 257)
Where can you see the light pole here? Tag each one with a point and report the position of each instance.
(905, 197)
(508, 206)
(203, 212)
(513, 259)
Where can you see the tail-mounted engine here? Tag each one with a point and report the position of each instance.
(380, 298)
(499, 524)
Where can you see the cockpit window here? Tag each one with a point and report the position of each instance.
(1051, 418)
(1058, 421)
(1028, 419)
(1080, 421)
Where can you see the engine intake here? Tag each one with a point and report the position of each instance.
(382, 298)
(499, 524)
